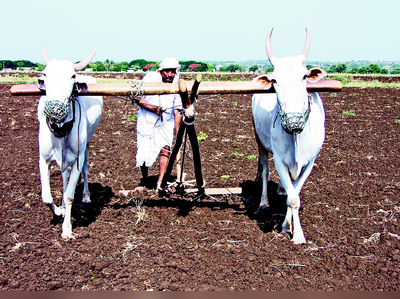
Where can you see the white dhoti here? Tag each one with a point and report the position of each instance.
(149, 146)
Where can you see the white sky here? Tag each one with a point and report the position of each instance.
(124, 30)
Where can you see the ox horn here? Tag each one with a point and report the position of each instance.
(268, 47)
(80, 65)
(45, 57)
(307, 45)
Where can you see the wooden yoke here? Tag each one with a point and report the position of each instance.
(149, 88)
(187, 125)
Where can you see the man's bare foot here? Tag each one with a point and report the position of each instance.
(139, 188)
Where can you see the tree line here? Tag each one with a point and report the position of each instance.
(198, 66)
(372, 68)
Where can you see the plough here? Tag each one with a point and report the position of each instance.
(186, 129)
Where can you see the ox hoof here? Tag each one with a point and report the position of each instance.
(86, 199)
(86, 202)
(47, 200)
(68, 235)
(262, 210)
(298, 240)
(281, 192)
(57, 211)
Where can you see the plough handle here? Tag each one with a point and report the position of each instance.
(184, 93)
(174, 153)
(196, 158)
(195, 88)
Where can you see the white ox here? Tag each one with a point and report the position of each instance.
(290, 124)
(66, 124)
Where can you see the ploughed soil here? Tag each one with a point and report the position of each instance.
(141, 241)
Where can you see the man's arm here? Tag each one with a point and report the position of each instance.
(146, 105)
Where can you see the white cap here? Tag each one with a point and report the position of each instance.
(169, 63)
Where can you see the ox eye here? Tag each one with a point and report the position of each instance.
(73, 76)
(304, 77)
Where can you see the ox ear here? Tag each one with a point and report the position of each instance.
(315, 74)
(41, 84)
(81, 87)
(263, 81)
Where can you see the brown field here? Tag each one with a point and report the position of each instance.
(350, 207)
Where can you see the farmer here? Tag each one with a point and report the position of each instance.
(159, 118)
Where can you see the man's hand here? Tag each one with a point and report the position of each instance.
(159, 110)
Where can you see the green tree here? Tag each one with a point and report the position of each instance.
(115, 68)
(253, 68)
(396, 71)
(8, 64)
(270, 69)
(124, 67)
(97, 66)
(339, 68)
(108, 64)
(374, 69)
(210, 67)
(354, 70)
(40, 67)
(20, 65)
(363, 70)
(140, 63)
(232, 68)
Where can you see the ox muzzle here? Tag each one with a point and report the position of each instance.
(293, 123)
(56, 111)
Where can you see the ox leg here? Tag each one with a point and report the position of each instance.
(67, 226)
(298, 184)
(65, 176)
(293, 205)
(44, 167)
(263, 171)
(293, 214)
(68, 198)
(85, 170)
(298, 235)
